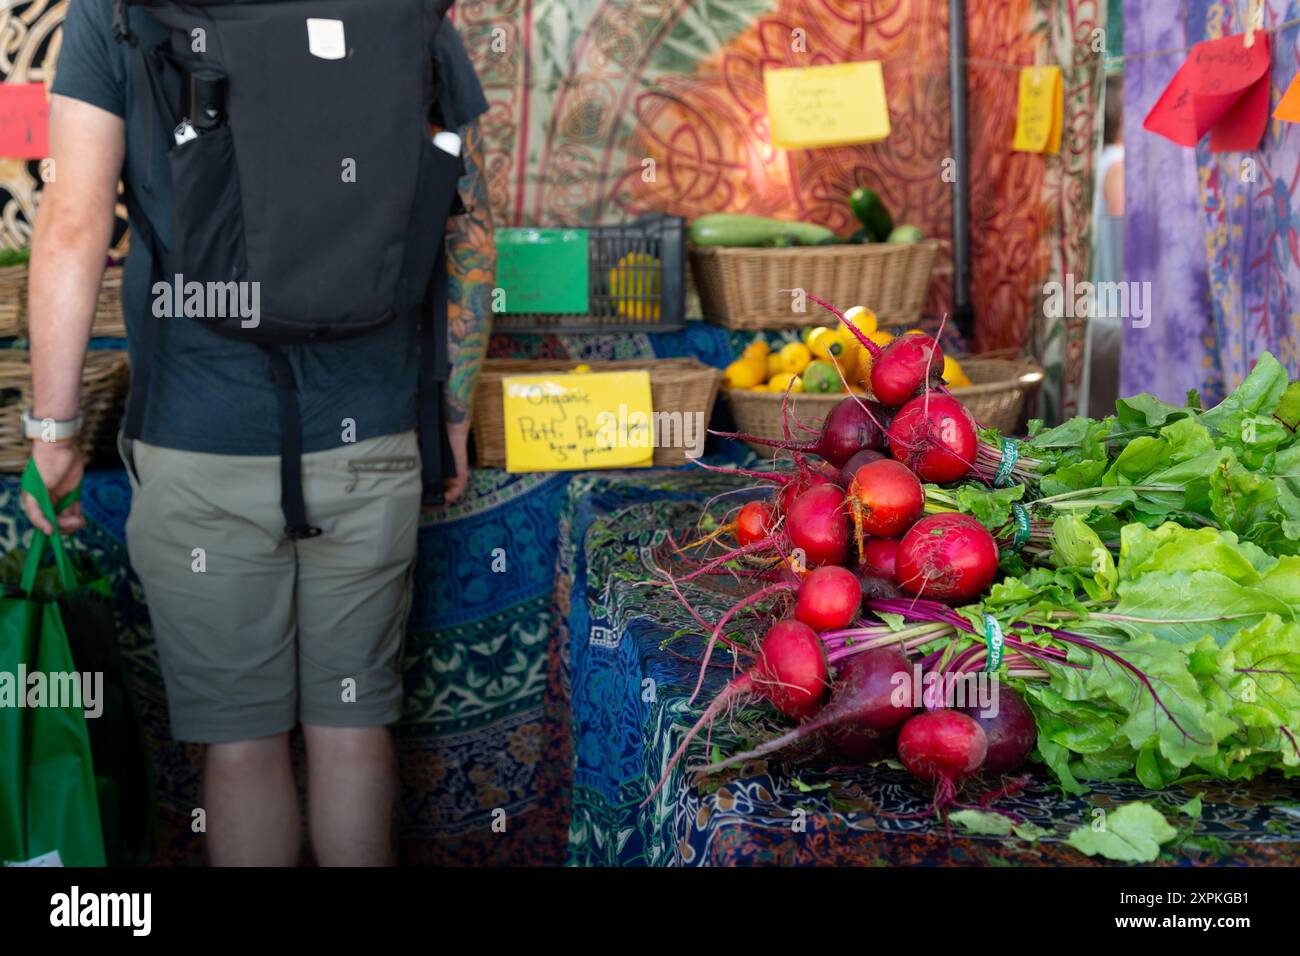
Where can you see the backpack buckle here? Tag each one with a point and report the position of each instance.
(122, 24)
(301, 531)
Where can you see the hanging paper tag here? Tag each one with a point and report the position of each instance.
(1010, 455)
(832, 105)
(1221, 89)
(1020, 516)
(1038, 116)
(993, 639)
(24, 120)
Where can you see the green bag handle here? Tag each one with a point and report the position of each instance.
(34, 485)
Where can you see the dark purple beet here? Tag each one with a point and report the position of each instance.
(852, 745)
(861, 700)
(848, 429)
(853, 464)
(862, 694)
(875, 588)
(1012, 733)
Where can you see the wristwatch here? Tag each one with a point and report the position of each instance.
(49, 429)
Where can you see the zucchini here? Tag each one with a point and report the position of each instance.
(872, 213)
(905, 234)
(734, 229)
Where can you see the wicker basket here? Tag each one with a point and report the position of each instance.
(741, 288)
(996, 399)
(759, 413)
(1000, 390)
(104, 381)
(108, 307)
(684, 385)
(13, 299)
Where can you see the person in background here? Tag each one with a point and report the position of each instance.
(1100, 386)
(255, 646)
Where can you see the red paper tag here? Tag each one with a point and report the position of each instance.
(24, 121)
(1221, 89)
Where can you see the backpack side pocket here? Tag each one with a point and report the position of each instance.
(207, 211)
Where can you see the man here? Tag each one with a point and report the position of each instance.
(256, 633)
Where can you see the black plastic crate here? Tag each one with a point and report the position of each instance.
(636, 277)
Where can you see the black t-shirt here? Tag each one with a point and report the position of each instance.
(210, 393)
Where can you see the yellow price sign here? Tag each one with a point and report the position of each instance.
(579, 421)
(1038, 117)
(832, 105)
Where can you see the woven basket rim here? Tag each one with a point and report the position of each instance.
(1026, 374)
(665, 367)
(831, 397)
(844, 250)
(23, 356)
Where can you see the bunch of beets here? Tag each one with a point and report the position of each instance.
(843, 532)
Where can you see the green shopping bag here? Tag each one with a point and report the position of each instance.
(49, 807)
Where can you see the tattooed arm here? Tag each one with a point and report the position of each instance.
(471, 262)
(471, 268)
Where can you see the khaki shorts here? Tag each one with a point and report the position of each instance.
(256, 632)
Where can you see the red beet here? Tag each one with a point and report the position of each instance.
(886, 498)
(818, 526)
(879, 556)
(935, 436)
(791, 672)
(904, 367)
(948, 557)
(1011, 732)
(753, 523)
(942, 747)
(829, 598)
(798, 485)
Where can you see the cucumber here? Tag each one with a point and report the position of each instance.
(906, 234)
(734, 229)
(872, 213)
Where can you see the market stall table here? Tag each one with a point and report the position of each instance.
(631, 671)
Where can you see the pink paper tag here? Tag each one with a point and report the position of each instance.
(24, 121)
(1221, 89)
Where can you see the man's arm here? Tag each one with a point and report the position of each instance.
(70, 241)
(471, 264)
(471, 268)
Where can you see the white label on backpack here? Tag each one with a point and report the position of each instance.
(45, 859)
(325, 39)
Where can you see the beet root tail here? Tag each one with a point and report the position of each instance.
(740, 685)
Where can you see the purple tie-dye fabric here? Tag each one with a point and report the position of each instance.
(1214, 234)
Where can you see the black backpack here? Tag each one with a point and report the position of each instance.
(300, 159)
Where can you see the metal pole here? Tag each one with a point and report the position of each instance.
(963, 312)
